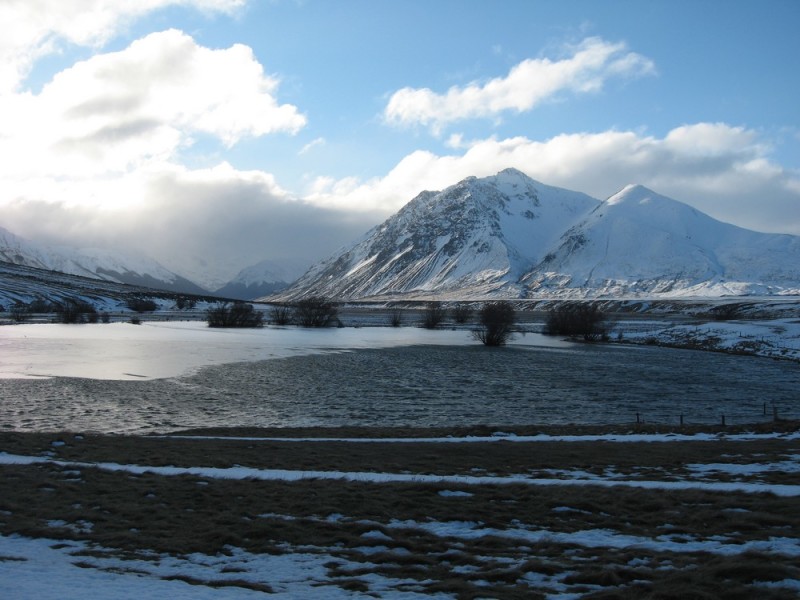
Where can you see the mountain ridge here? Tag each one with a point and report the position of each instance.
(263, 278)
(510, 236)
(95, 263)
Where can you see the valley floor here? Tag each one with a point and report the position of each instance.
(628, 512)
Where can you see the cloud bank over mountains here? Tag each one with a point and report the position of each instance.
(130, 147)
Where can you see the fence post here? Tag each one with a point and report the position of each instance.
(723, 420)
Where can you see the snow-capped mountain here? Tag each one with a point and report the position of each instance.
(475, 238)
(103, 264)
(262, 279)
(641, 243)
(510, 236)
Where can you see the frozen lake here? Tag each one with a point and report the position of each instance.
(154, 350)
(165, 376)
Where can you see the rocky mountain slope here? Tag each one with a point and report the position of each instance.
(24, 284)
(510, 236)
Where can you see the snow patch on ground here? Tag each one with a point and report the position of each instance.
(579, 479)
(776, 338)
(50, 570)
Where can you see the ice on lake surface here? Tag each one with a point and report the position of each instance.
(165, 376)
(122, 351)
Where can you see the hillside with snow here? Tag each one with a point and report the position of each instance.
(512, 237)
(641, 243)
(95, 263)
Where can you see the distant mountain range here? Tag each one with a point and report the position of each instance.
(504, 236)
(508, 236)
(262, 279)
(102, 264)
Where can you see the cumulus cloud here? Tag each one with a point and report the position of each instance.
(37, 28)
(95, 158)
(718, 168)
(116, 111)
(527, 84)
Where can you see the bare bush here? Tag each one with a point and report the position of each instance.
(497, 324)
(315, 311)
(433, 316)
(76, 311)
(40, 305)
(725, 312)
(20, 312)
(140, 305)
(461, 313)
(235, 314)
(280, 314)
(185, 303)
(581, 319)
(396, 317)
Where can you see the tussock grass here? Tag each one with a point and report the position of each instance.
(143, 516)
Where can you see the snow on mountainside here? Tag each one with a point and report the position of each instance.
(510, 236)
(266, 277)
(641, 243)
(475, 238)
(103, 264)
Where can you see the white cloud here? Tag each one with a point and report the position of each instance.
(527, 84)
(320, 141)
(35, 28)
(119, 111)
(93, 158)
(206, 224)
(720, 169)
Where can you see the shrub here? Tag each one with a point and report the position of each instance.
(433, 316)
(315, 311)
(76, 311)
(461, 313)
(280, 314)
(396, 317)
(497, 323)
(236, 314)
(20, 312)
(142, 305)
(40, 305)
(725, 312)
(185, 303)
(584, 320)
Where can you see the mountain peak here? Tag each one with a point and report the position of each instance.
(633, 192)
(507, 235)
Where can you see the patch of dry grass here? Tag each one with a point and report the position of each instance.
(374, 529)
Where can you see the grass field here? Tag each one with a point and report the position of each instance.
(625, 513)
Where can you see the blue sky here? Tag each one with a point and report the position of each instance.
(216, 133)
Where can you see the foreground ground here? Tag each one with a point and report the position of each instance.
(402, 513)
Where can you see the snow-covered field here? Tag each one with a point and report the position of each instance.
(774, 338)
(547, 557)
